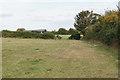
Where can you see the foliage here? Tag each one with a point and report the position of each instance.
(20, 29)
(48, 35)
(53, 32)
(89, 32)
(75, 36)
(36, 31)
(14, 34)
(105, 29)
(73, 31)
(62, 31)
(119, 27)
(84, 19)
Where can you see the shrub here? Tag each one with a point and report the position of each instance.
(75, 36)
(20, 29)
(106, 29)
(21, 34)
(48, 35)
(62, 31)
(73, 31)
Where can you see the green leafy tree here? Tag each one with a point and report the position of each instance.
(84, 19)
(73, 31)
(20, 29)
(62, 31)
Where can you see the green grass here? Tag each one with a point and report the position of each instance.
(65, 37)
(38, 58)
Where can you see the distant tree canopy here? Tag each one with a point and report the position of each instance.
(84, 19)
(20, 29)
(5, 31)
(16, 34)
(62, 31)
(73, 31)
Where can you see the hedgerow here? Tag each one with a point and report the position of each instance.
(15, 34)
(105, 29)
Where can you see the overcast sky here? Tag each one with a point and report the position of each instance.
(47, 14)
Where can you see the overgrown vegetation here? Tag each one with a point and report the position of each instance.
(105, 29)
(101, 28)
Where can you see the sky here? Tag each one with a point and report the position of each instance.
(47, 14)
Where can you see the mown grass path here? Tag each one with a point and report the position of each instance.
(37, 58)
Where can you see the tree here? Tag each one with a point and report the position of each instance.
(62, 31)
(21, 29)
(73, 31)
(75, 36)
(84, 19)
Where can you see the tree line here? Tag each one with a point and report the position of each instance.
(21, 34)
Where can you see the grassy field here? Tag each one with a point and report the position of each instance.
(38, 58)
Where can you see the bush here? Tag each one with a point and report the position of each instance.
(62, 31)
(75, 36)
(106, 29)
(73, 31)
(20, 30)
(48, 35)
